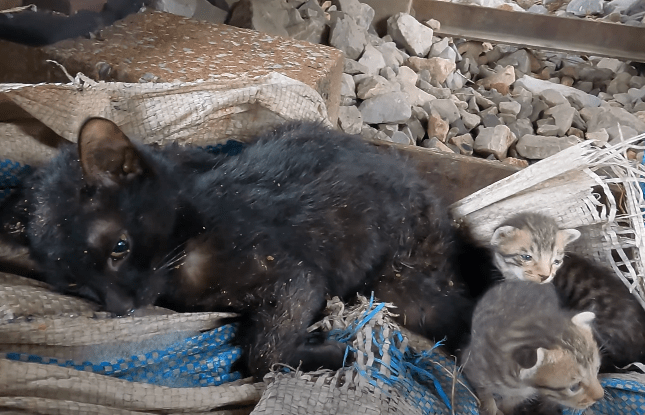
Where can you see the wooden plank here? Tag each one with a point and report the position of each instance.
(456, 175)
(580, 36)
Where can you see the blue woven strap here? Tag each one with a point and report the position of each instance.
(425, 378)
(202, 360)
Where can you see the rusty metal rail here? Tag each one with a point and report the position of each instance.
(580, 36)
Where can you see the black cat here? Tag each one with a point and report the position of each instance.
(44, 28)
(303, 213)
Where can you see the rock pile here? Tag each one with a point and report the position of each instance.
(500, 102)
(493, 101)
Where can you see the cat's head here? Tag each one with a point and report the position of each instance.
(530, 246)
(102, 219)
(566, 374)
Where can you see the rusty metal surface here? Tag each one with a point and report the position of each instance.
(580, 36)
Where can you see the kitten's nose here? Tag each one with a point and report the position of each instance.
(596, 392)
(543, 277)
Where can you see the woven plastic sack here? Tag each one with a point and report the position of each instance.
(199, 113)
(56, 353)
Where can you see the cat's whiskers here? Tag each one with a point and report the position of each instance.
(601, 348)
(178, 249)
(177, 261)
(173, 259)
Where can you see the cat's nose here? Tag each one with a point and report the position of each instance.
(543, 277)
(596, 392)
(118, 303)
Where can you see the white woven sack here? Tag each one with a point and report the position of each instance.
(199, 113)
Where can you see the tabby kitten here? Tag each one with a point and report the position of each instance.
(524, 346)
(530, 246)
(528, 242)
(303, 213)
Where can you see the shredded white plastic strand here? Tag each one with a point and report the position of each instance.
(578, 187)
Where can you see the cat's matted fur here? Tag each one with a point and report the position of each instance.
(38, 28)
(582, 284)
(303, 213)
(524, 346)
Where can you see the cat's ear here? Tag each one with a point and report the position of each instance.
(527, 356)
(566, 236)
(107, 156)
(584, 319)
(529, 359)
(503, 233)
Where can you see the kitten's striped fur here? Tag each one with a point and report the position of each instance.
(524, 346)
(582, 284)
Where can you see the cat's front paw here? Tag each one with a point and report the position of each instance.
(489, 407)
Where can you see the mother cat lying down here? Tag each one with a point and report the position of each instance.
(302, 214)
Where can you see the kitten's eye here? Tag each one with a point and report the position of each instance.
(576, 387)
(121, 249)
(526, 257)
(557, 261)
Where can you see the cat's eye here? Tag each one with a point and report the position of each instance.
(526, 257)
(557, 261)
(121, 248)
(576, 387)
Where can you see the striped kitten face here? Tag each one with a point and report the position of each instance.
(530, 246)
(569, 376)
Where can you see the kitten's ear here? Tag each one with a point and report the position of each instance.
(503, 233)
(566, 236)
(584, 319)
(529, 359)
(107, 156)
(526, 356)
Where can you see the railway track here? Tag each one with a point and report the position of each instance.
(580, 36)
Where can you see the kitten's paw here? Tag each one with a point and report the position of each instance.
(489, 407)
(315, 355)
